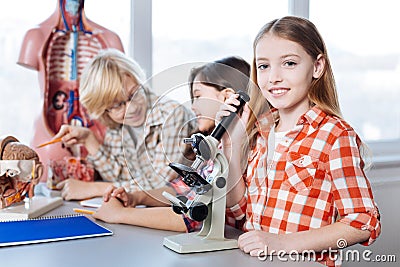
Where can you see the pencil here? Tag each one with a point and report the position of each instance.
(91, 212)
(50, 142)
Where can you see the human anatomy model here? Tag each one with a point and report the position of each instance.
(59, 48)
(20, 171)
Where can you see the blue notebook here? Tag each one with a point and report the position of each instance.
(49, 229)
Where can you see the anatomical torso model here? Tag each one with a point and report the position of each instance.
(59, 49)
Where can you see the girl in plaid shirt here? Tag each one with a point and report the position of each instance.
(210, 84)
(302, 185)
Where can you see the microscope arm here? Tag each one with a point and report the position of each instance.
(209, 203)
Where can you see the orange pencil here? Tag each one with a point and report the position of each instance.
(50, 142)
(91, 212)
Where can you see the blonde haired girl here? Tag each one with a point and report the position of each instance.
(304, 187)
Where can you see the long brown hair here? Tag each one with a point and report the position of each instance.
(322, 91)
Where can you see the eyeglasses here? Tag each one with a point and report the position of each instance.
(119, 108)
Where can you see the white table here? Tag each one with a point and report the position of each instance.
(129, 246)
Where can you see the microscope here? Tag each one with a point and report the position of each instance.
(209, 203)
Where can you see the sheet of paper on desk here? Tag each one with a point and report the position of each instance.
(92, 203)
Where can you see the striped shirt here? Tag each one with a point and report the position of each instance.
(144, 166)
(314, 178)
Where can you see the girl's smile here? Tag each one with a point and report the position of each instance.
(278, 91)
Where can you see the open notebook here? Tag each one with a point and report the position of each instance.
(47, 229)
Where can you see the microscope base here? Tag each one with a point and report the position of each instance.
(192, 242)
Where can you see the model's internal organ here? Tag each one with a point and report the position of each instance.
(69, 167)
(64, 68)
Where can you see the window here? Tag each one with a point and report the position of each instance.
(186, 32)
(190, 31)
(363, 43)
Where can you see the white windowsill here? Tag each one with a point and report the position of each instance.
(385, 167)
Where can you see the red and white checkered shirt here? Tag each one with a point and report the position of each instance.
(315, 178)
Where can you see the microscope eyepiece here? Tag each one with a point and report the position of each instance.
(226, 121)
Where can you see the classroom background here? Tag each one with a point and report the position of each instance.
(361, 36)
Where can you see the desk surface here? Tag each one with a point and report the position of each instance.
(129, 246)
